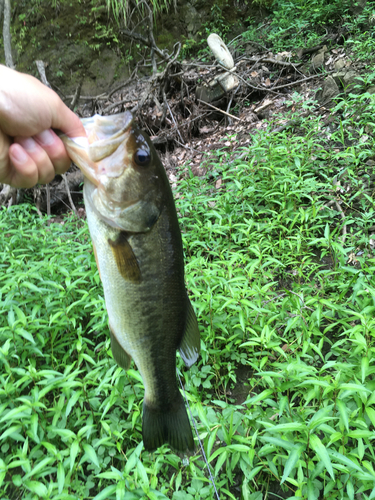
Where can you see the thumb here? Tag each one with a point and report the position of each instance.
(65, 120)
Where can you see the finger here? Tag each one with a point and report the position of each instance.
(23, 172)
(46, 171)
(65, 120)
(55, 149)
(4, 158)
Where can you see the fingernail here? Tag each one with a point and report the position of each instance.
(46, 138)
(29, 144)
(19, 154)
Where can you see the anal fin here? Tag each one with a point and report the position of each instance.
(191, 341)
(121, 357)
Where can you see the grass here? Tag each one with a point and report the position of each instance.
(295, 24)
(283, 394)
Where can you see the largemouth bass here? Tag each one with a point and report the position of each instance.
(138, 249)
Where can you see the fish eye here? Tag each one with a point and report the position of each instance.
(142, 157)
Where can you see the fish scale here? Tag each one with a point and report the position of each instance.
(137, 242)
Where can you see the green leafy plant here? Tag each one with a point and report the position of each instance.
(280, 269)
(283, 393)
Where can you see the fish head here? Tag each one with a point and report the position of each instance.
(125, 181)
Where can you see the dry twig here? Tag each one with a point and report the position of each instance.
(69, 195)
(220, 110)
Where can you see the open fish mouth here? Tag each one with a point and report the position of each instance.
(102, 153)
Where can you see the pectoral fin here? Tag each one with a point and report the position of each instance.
(191, 341)
(126, 261)
(121, 357)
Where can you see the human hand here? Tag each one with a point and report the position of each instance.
(30, 152)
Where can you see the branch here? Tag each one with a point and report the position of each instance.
(69, 195)
(6, 35)
(42, 72)
(220, 110)
(150, 40)
(140, 38)
(76, 95)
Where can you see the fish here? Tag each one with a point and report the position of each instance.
(138, 249)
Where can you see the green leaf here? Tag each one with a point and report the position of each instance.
(20, 315)
(142, 473)
(36, 487)
(133, 459)
(343, 413)
(353, 387)
(220, 462)
(63, 433)
(364, 368)
(3, 471)
(327, 232)
(242, 321)
(371, 414)
(344, 460)
(259, 397)
(60, 477)
(40, 466)
(34, 427)
(238, 447)
(216, 453)
(12, 430)
(253, 472)
(321, 451)
(105, 494)
(72, 401)
(310, 490)
(25, 334)
(292, 460)
(287, 445)
(90, 454)
(15, 412)
(290, 427)
(245, 490)
(134, 374)
(350, 489)
(120, 490)
(73, 453)
(108, 475)
(361, 434)
(211, 442)
(32, 287)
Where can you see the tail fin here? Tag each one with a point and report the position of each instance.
(170, 426)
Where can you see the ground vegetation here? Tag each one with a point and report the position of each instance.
(275, 196)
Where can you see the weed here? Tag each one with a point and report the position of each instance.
(279, 267)
(277, 291)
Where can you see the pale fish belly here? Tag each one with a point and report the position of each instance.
(137, 316)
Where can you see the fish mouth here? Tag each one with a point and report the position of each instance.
(103, 152)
